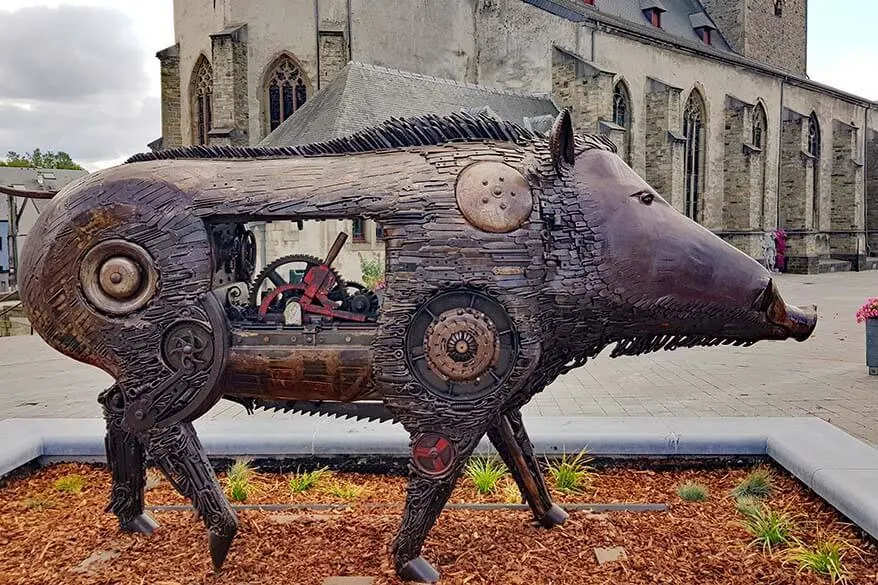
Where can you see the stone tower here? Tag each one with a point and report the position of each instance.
(771, 31)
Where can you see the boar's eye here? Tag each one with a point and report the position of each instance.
(645, 197)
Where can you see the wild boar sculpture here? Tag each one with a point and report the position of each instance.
(511, 258)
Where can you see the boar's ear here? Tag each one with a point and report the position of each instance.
(561, 140)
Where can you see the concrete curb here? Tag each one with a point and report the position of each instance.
(841, 469)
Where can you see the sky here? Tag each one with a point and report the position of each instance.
(81, 75)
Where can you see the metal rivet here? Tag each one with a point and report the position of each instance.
(498, 190)
(293, 339)
(348, 339)
(266, 339)
(485, 199)
(502, 206)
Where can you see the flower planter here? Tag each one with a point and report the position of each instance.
(872, 346)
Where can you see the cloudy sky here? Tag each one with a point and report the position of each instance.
(81, 75)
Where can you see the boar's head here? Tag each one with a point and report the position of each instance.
(650, 277)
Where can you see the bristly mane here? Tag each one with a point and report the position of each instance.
(395, 133)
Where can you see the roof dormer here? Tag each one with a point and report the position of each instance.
(703, 26)
(652, 10)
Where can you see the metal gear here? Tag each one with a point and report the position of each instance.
(360, 299)
(338, 293)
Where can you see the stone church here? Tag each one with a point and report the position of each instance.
(708, 100)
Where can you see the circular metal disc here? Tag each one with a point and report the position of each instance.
(118, 277)
(433, 454)
(494, 197)
(461, 344)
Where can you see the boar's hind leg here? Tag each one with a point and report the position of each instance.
(436, 462)
(178, 452)
(512, 443)
(128, 468)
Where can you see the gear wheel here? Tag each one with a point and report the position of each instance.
(360, 299)
(269, 273)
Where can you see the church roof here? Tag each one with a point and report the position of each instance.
(676, 22)
(366, 95)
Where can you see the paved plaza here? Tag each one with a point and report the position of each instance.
(825, 376)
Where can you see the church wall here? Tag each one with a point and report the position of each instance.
(829, 110)
(430, 38)
(639, 62)
(291, 28)
(194, 22)
(515, 44)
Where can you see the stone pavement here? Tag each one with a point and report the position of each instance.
(825, 376)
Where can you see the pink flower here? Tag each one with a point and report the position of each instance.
(868, 311)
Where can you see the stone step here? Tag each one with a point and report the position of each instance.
(831, 265)
(871, 263)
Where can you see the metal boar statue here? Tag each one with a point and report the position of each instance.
(511, 258)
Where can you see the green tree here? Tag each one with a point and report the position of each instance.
(40, 160)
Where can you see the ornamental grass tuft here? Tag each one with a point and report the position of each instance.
(302, 482)
(826, 558)
(70, 484)
(756, 485)
(771, 529)
(238, 480)
(485, 473)
(344, 490)
(692, 492)
(571, 474)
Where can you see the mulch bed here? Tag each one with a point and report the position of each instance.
(55, 538)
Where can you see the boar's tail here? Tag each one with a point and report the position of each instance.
(27, 194)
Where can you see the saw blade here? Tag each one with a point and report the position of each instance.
(365, 411)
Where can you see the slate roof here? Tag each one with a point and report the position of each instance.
(675, 21)
(366, 95)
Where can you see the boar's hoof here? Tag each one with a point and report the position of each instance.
(556, 516)
(418, 570)
(219, 548)
(144, 524)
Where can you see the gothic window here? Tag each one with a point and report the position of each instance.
(778, 7)
(693, 129)
(759, 126)
(621, 105)
(287, 91)
(814, 151)
(202, 100)
(622, 115)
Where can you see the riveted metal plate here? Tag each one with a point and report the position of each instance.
(494, 197)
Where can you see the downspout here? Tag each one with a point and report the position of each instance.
(350, 34)
(317, 38)
(783, 82)
(594, 29)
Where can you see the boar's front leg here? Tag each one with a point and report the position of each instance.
(127, 464)
(178, 452)
(436, 462)
(512, 443)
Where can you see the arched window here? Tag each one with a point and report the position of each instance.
(622, 115)
(814, 151)
(621, 105)
(693, 129)
(759, 127)
(286, 91)
(202, 100)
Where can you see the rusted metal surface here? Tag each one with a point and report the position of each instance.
(145, 270)
(461, 344)
(494, 197)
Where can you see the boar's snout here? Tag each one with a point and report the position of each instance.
(799, 322)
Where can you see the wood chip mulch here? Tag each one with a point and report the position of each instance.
(47, 537)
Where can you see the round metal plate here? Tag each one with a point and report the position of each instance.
(461, 344)
(118, 277)
(432, 358)
(433, 454)
(188, 345)
(494, 197)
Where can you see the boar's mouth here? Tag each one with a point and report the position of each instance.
(769, 317)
